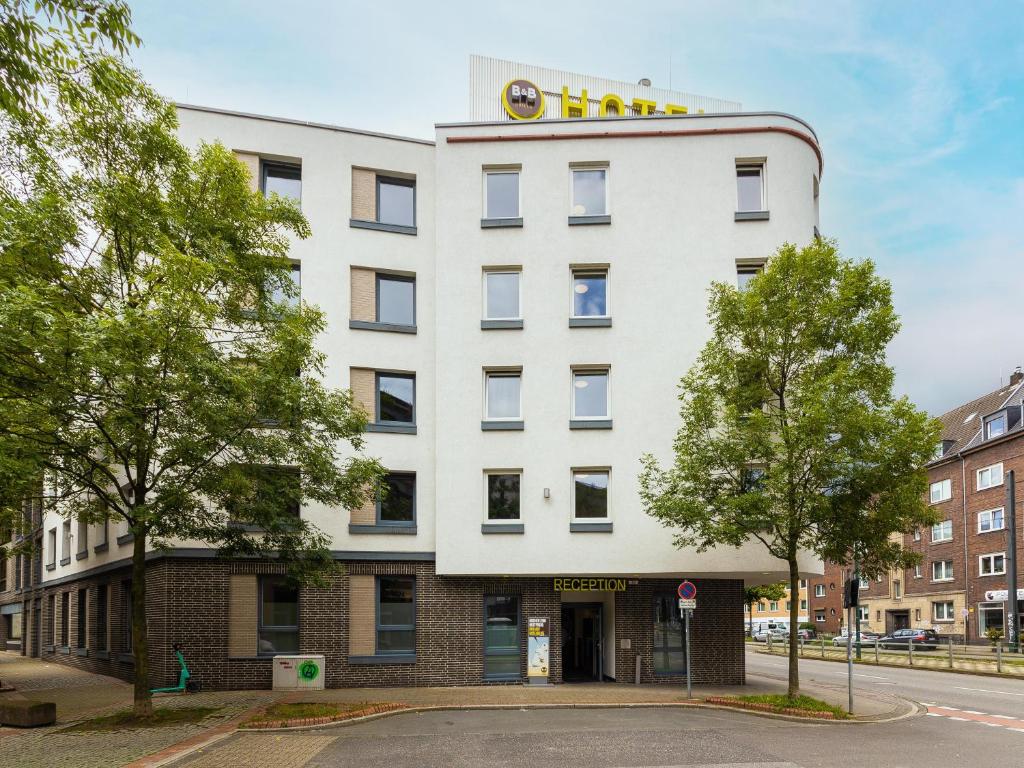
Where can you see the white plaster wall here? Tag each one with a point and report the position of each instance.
(672, 204)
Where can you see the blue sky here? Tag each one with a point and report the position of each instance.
(919, 108)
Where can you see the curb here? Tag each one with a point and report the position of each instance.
(887, 665)
(303, 722)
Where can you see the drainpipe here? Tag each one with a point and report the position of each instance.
(967, 596)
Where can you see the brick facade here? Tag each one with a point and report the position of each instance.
(189, 601)
(830, 606)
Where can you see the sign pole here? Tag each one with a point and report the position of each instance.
(689, 678)
(1012, 630)
(849, 656)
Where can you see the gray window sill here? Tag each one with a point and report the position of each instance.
(398, 429)
(367, 325)
(126, 658)
(397, 658)
(81, 651)
(100, 654)
(500, 223)
(590, 527)
(751, 215)
(502, 528)
(64, 650)
(501, 325)
(126, 538)
(502, 426)
(590, 423)
(82, 555)
(590, 322)
(409, 530)
(380, 227)
(577, 221)
(65, 560)
(247, 527)
(51, 566)
(101, 547)
(47, 649)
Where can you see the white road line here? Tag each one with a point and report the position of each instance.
(1005, 717)
(1018, 730)
(987, 690)
(961, 719)
(974, 712)
(934, 714)
(990, 725)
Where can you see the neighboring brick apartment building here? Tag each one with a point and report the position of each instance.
(960, 587)
(469, 286)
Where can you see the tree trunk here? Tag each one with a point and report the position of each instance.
(794, 605)
(143, 703)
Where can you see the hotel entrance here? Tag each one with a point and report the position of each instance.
(582, 642)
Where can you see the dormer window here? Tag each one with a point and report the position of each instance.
(995, 425)
(942, 447)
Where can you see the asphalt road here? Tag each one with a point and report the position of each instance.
(973, 722)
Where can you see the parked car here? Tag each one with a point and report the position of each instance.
(865, 638)
(924, 639)
(806, 634)
(777, 634)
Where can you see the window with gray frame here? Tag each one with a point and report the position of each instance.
(396, 503)
(396, 615)
(590, 293)
(745, 273)
(668, 654)
(277, 293)
(501, 295)
(396, 299)
(590, 394)
(284, 179)
(126, 616)
(502, 395)
(995, 425)
(396, 201)
(65, 541)
(101, 619)
(590, 494)
(65, 618)
(83, 537)
(749, 188)
(396, 398)
(589, 192)
(83, 612)
(278, 617)
(501, 193)
(503, 495)
(501, 637)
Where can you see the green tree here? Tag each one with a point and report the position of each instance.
(58, 43)
(790, 433)
(156, 364)
(754, 595)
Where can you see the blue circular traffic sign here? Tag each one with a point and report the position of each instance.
(687, 590)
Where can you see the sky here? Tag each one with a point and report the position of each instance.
(919, 108)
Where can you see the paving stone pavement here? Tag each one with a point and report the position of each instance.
(292, 750)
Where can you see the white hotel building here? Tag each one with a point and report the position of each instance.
(514, 304)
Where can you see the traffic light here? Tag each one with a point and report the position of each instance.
(851, 593)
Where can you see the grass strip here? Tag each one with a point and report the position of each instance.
(785, 705)
(127, 720)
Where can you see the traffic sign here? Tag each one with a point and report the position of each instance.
(686, 605)
(687, 591)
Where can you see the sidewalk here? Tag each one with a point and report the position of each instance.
(1012, 664)
(80, 695)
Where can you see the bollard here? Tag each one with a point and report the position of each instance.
(999, 657)
(636, 679)
(823, 646)
(910, 650)
(950, 651)
(876, 650)
(801, 647)
(768, 642)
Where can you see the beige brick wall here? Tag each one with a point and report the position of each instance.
(364, 194)
(362, 616)
(242, 615)
(366, 514)
(363, 389)
(364, 290)
(252, 162)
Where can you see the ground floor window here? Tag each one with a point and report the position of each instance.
(990, 615)
(279, 616)
(13, 626)
(65, 609)
(396, 615)
(83, 602)
(126, 615)
(669, 656)
(101, 618)
(501, 637)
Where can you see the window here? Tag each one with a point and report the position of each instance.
(3, 570)
(917, 534)
(917, 571)
(396, 505)
(990, 520)
(396, 398)
(803, 583)
(502, 295)
(745, 273)
(126, 616)
(272, 492)
(989, 477)
(760, 607)
(502, 395)
(396, 201)
(897, 589)
(819, 616)
(590, 494)
(51, 612)
(864, 583)
(789, 605)
(943, 611)
(501, 194)
(102, 592)
(819, 590)
(83, 606)
(995, 425)
(396, 615)
(942, 531)
(590, 293)
(863, 613)
(396, 299)
(668, 656)
(749, 188)
(803, 605)
(992, 565)
(590, 394)
(83, 538)
(279, 616)
(501, 637)
(503, 495)
(65, 542)
(102, 529)
(282, 179)
(65, 616)
(940, 491)
(277, 292)
(942, 570)
(589, 192)
(773, 605)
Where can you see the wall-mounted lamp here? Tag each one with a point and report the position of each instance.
(547, 493)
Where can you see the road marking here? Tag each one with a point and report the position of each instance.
(974, 716)
(1005, 717)
(961, 719)
(987, 690)
(934, 714)
(974, 712)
